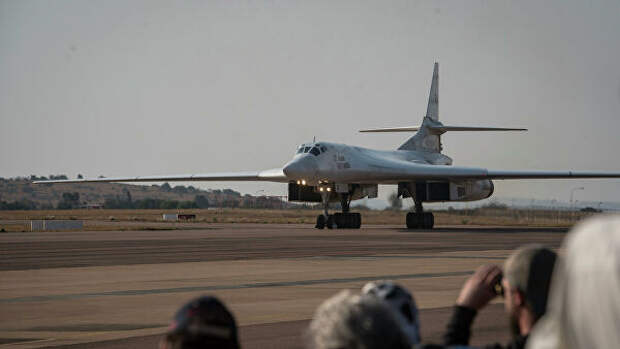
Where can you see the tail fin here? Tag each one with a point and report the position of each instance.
(432, 110)
(426, 139)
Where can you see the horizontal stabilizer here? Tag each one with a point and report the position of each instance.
(442, 129)
(469, 128)
(393, 129)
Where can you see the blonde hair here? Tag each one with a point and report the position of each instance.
(584, 306)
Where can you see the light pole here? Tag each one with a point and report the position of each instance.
(572, 205)
(572, 192)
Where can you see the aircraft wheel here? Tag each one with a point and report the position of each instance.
(347, 220)
(357, 220)
(340, 220)
(429, 220)
(330, 222)
(320, 222)
(412, 220)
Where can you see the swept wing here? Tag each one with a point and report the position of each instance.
(390, 171)
(273, 175)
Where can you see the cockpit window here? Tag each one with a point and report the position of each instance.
(323, 149)
(315, 151)
(300, 150)
(306, 149)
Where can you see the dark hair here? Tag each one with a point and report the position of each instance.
(539, 281)
(204, 322)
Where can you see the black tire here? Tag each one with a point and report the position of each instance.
(320, 222)
(345, 221)
(428, 220)
(431, 220)
(357, 221)
(348, 220)
(330, 222)
(412, 221)
(340, 220)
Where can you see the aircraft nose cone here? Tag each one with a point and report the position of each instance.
(301, 168)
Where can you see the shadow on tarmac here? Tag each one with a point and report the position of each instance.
(488, 230)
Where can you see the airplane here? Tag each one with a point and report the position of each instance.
(325, 172)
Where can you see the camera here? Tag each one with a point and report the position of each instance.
(497, 287)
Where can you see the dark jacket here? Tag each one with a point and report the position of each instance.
(458, 331)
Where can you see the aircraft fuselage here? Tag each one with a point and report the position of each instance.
(325, 162)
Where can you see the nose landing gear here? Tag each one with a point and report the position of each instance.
(340, 220)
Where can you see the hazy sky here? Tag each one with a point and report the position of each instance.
(120, 88)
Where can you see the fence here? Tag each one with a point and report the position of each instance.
(42, 225)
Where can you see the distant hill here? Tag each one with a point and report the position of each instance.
(20, 193)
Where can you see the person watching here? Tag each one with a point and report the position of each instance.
(402, 304)
(204, 322)
(524, 285)
(584, 302)
(353, 321)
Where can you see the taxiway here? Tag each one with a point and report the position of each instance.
(119, 289)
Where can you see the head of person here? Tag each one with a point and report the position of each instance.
(355, 321)
(204, 322)
(402, 304)
(584, 302)
(526, 281)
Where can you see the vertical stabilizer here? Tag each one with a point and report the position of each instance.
(427, 139)
(432, 111)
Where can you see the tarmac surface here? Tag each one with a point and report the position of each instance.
(119, 289)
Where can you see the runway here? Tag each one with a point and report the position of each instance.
(119, 289)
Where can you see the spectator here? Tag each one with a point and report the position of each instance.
(402, 304)
(524, 285)
(353, 321)
(584, 301)
(202, 323)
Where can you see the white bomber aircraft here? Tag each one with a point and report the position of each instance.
(329, 172)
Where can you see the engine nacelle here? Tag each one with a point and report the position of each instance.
(471, 190)
(308, 193)
(303, 193)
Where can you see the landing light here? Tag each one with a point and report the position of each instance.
(303, 182)
(329, 189)
(321, 189)
(298, 182)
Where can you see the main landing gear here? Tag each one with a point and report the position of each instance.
(339, 220)
(420, 219)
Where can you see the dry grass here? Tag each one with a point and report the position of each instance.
(152, 219)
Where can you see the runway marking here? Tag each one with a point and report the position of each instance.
(93, 327)
(372, 257)
(73, 296)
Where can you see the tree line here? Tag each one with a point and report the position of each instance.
(200, 201)
(71, 200)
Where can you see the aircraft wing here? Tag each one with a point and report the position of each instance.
(499, 174)
(406, 171)
(273, 175)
